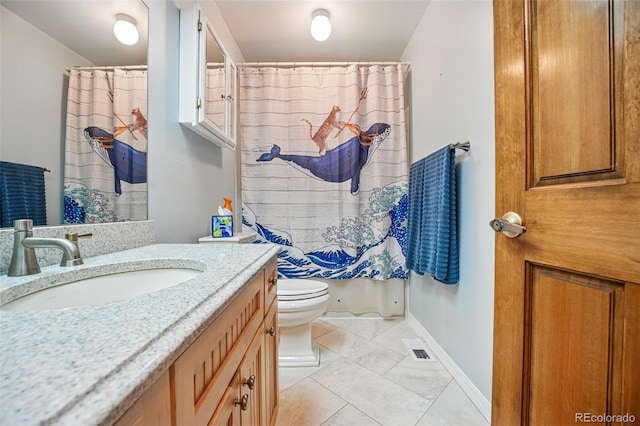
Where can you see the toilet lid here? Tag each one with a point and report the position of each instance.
(301, 289)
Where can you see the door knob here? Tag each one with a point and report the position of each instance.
(510, 225)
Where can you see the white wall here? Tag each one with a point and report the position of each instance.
(187, 175)
(33, 107)
(451, 89)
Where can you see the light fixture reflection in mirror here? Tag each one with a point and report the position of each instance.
(125, 30)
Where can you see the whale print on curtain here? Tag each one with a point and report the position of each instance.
(324, 168)
(105, 177)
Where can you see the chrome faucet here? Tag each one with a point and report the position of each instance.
(23, 258)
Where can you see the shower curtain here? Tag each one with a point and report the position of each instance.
(105, 176)
(324, 168)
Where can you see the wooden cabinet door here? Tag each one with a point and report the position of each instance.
(567, 292)
(228, 411)
(200, 375)
(271, 281)
(251, 383)
(272, 388)
(153, 408)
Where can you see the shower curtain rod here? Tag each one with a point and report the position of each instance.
(312, 64)
(105, 68)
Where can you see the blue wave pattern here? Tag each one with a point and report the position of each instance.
(82, 205)
(379, 257)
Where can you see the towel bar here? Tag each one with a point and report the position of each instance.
(465, 146)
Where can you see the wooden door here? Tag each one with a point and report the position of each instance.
(567, 292)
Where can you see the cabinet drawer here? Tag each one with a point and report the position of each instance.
(203, 372)
(271, 282)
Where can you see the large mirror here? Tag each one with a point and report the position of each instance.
(42, 43)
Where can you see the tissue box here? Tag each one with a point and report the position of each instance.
(221, 226)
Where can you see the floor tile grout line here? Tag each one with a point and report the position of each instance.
(370, 340)
(436, 399)
(355, 408)
(381, 376)
(339, 356)
(337, 396)
(348, 402)
(398, 319)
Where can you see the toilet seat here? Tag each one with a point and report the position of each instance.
(301, 290)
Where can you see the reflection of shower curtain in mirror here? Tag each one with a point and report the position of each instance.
(105, 176)
(214, 104)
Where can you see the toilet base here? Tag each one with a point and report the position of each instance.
(296, 347)
(300, 360)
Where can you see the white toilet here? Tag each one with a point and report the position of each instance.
(299, 303)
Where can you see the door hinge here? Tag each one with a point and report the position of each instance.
(198, 102)
(199, 25)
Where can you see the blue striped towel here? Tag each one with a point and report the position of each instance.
(22, 194)
(432, 241)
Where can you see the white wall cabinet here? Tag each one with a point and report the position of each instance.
(207, 80)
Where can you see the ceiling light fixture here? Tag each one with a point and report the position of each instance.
(320, 25)
(125, 29)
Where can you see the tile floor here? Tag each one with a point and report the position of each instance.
(367, 377)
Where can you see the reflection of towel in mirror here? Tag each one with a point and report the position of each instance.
(22, 193)
(432, 245)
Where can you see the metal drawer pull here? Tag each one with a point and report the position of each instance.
(272, 331)
(510, 225)
(251, 382)
(272, 282)
(243, 402)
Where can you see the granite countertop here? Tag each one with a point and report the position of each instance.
(87, 365)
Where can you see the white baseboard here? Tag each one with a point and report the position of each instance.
(483, 405)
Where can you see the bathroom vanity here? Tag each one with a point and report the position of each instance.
(200, 352)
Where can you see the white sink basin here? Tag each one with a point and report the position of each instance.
(101, 289)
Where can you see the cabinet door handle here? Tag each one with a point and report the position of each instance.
(243, 402)
(272, 281)
(251, 382)
(272, 331)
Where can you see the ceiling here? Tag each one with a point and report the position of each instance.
(264, 30)
(278, 30)
(86, 26)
